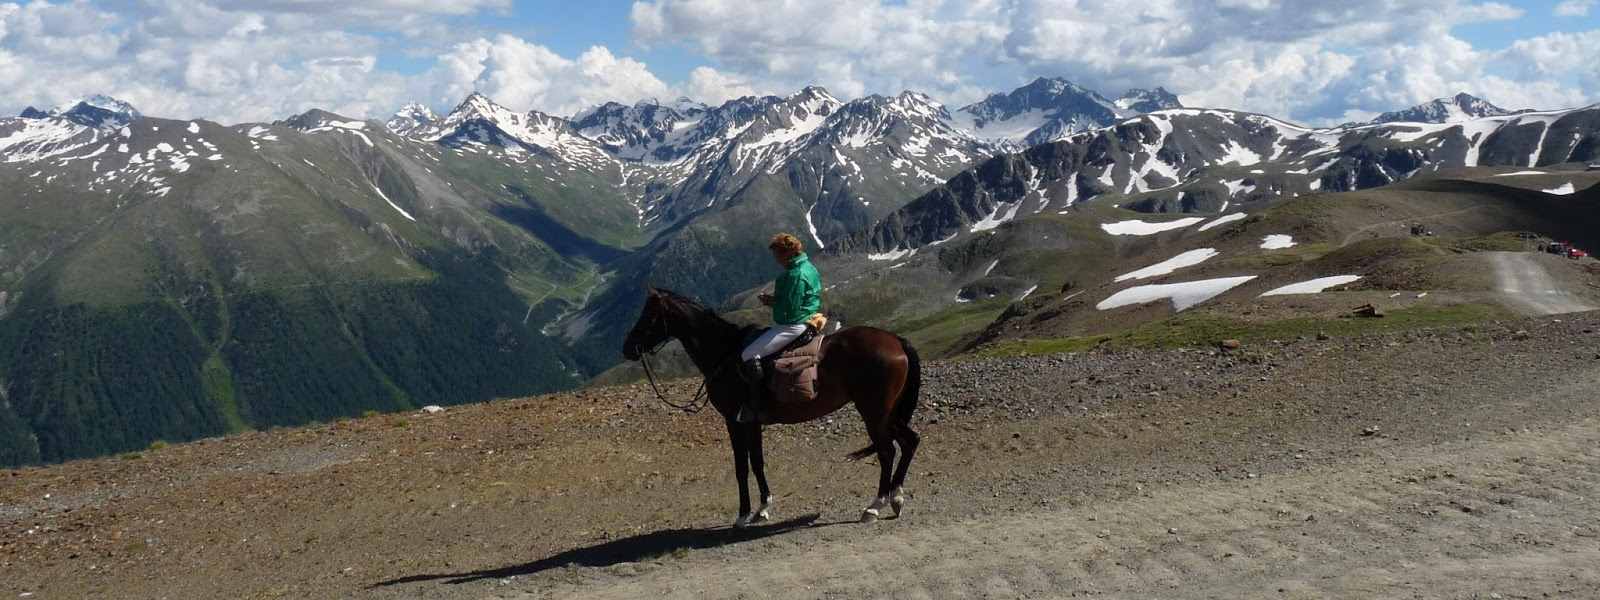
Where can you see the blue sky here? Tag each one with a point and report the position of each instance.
(1311, 61)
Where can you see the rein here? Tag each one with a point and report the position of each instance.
(701, 398)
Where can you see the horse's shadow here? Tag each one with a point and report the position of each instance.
(625, 550)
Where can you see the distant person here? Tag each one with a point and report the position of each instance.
(796, 297)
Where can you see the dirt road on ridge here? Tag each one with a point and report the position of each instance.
(1528, 286)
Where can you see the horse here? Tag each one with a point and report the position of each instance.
(876, 370)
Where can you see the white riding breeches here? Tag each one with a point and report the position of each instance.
(771, 341)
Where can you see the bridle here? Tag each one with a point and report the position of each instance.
(701, 398)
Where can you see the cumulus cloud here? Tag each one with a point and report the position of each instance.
(711, 86)
(851, 47)
(1309, 59)
(1574, 8)
(526, 76)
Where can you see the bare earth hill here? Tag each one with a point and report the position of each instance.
(1460, 461)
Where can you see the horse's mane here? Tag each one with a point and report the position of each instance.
(695, 311)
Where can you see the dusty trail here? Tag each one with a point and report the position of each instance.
(1515, 516)
(1400, 225)
(1527, 285)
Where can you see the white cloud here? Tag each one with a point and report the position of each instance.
(1315, 61)
(851, 47)
(1574, 8)
(1307, 59)
(523, 75)
(711, 86)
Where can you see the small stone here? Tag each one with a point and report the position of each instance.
(1370, 431)
(1322, 336)
(1172, 530)
(1230, 344)
(432, 409)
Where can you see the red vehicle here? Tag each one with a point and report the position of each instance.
(1574, 253)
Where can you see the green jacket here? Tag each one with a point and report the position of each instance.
(798, 293)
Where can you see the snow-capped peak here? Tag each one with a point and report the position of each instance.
(102, 102)
(1044, 110)
(410, 118)
(99, 111)
(1143, 101)
(1461, 107)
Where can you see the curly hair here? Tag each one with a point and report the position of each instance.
(786, 243)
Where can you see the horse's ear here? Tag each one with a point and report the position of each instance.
(652, 292)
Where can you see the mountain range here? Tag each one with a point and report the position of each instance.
(169, 279)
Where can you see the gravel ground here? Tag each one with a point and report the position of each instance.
(1460, 462)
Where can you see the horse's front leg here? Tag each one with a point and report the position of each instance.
(758, 461)
(741, 469)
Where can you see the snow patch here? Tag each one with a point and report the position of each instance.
(1315, 286)
(1166, 267)
(1277, 241)
(1520, 173)
(1235, 186)
(1565, 189)
(1183, 295)
(895, 254)
(1138, 227)
(1223, 220)
(385, 197)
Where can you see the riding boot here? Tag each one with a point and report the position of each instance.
(753, 410)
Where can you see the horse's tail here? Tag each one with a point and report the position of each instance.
(907, 404)
(913, 390)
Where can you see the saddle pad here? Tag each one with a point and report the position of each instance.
(794, 373)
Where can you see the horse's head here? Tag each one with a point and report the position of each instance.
(651, 330)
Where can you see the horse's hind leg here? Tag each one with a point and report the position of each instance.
(883, 442)
(908, 440)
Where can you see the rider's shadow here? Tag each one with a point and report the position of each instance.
(627, 550)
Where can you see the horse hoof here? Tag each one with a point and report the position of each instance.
(763, 516)
(899, 505)
(869, 515)
(743, 521)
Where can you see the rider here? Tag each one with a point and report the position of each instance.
(797, 295)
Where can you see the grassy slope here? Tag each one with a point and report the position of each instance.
(1361, 232)
(283, 293)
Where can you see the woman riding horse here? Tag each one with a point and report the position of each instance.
(796, 298)
(875, 370)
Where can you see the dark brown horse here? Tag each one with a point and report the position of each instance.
(877, 371)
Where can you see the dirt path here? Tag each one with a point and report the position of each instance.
(1527, 285)
(1401, 225)
(1518, 515)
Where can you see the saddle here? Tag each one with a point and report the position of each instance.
(792, 373)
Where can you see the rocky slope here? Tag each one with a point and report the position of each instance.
(1188, 160)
